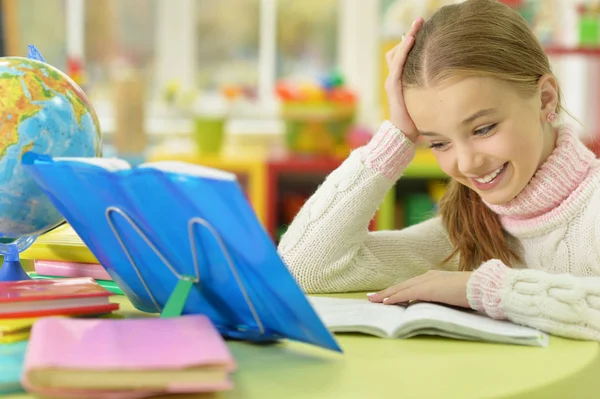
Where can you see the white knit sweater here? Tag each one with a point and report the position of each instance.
(556, 220)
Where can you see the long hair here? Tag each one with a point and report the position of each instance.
(476, 38)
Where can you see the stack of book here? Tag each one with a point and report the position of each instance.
(30, 299)
(61, 253)
(25, 303)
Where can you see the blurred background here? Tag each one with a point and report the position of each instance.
(277, 91)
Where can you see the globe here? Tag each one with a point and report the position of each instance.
(45, 111)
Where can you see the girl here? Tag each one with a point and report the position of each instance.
(518, 232)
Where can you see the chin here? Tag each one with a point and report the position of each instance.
(494, 199)
(501, 197)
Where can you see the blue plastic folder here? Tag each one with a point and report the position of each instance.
(12, 357)
(154, 229)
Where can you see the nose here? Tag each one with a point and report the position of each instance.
(469, 161)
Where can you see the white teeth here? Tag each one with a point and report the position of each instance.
(491, 176)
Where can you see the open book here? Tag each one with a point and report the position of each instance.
(422, 318)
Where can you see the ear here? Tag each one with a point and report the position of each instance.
(548, 86)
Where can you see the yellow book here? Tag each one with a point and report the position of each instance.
(14, 337)
(19, 329)
(60, 244)
(13, 330)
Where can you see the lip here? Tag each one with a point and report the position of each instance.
(493, 183)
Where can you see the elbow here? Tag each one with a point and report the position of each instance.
(310, 273)
(577, 333)
(584, 327)
(317, 276)
(301, 269)
(298, 260)
(317, 266)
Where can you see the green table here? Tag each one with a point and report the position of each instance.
(424, 368)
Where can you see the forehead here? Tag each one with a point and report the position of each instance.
(432, 108)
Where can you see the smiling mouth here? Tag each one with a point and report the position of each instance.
(491, 176)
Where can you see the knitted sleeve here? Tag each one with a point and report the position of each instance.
(328, 247)
(560, 304)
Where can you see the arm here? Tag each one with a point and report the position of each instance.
(560, 304)
(328, 247)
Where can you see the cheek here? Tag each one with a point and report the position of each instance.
(446, 161)
(523, 147)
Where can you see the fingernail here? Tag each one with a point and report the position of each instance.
(414, 22)
(371, 293)
(385, 299)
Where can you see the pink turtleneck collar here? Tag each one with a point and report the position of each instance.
(564, 170)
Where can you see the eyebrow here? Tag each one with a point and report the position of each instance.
(470, 119)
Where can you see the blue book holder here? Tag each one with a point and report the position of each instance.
(162, 234)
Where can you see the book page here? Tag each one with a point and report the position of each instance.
(111, 164)
(358, 315)
(465, 322)
(190, 169)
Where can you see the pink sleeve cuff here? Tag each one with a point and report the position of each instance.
(389, 151)
(483, 288)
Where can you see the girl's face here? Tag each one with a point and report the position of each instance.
(484, 133)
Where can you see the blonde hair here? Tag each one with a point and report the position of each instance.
(475, 38)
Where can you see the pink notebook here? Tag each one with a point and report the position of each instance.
(70, 269)
(126, 358)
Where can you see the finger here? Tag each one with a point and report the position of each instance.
(388, 292)
(419, 292)
(416, 25)
(408, 39)
(373, 297)
(419, 289)
(389, 56)
(411, 283)
(384, 294)
(397, 65)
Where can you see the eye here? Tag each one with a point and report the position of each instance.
(438, 146)
(484, 131)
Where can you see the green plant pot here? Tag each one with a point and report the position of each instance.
(209, 134)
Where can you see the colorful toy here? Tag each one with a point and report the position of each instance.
(318, 115)
(358, 136)
(589, 25)
(75, 70)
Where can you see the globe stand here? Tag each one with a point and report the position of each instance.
(11, 269)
